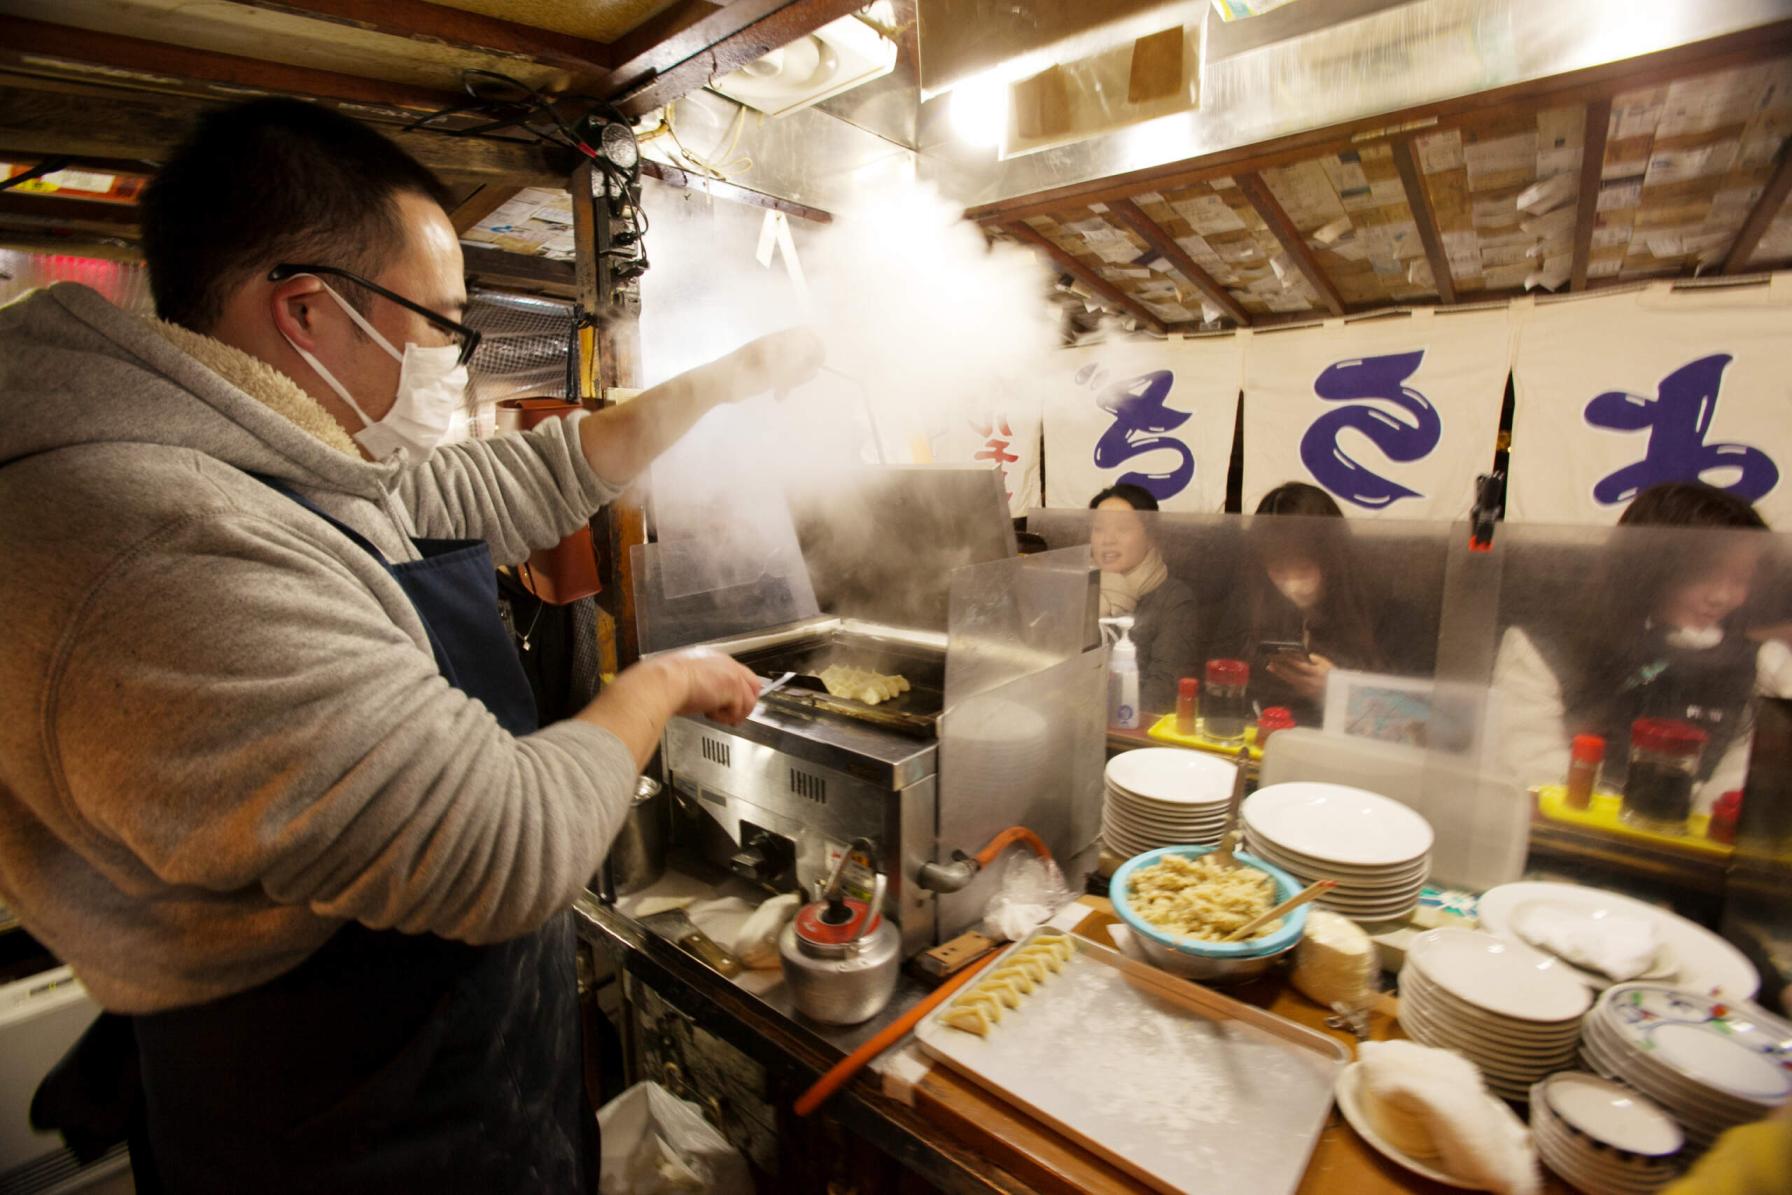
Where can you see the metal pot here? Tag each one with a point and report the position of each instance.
(840, 956)
(638, 855)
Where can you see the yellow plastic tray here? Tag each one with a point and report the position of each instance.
(1164, 731)
(1604, 815)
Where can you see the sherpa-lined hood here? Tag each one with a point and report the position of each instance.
(74, 369)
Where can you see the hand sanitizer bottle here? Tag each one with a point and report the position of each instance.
(1123, 675)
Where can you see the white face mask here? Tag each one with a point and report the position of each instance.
(432, 388)
(1695, 638)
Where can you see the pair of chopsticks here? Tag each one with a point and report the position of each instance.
(1317, 888)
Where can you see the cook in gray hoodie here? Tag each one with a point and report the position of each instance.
(229, 760)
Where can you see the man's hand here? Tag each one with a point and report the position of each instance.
(714, 685)
(779, 362)
(700, 682)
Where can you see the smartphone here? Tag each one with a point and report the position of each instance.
(1270, 648)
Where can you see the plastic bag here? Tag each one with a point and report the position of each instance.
(657, 1144)
(1030, 891)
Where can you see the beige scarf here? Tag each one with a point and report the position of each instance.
(1121, 592)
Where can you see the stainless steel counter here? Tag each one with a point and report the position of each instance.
(793, 1050)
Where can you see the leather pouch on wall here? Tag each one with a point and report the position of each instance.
(567, 571)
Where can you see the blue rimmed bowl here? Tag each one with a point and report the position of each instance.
(1209, 962)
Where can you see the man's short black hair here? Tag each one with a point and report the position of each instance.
(270, 181)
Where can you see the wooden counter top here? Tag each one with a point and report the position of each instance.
(1342, 1163)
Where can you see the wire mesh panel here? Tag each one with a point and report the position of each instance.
(524, 351)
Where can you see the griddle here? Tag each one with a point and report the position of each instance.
(914, 713)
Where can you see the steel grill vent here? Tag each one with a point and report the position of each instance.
(813, 788)
(715, 751)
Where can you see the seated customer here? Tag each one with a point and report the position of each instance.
(1661, 639)
(1135, 581)
(1301, 588)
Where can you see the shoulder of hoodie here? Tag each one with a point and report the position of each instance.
(84, 509)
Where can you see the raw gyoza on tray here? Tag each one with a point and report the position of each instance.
(979, 1009)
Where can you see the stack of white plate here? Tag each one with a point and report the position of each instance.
(1710, 1062)
(1512, 1011)
(1165, 796)
(1376, 849)
(1603, 1137)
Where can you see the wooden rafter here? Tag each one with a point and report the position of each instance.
(1592, 170)
(480, 204)
(1257, 191)
(1762, 214)
(679, 33)
(1082, 273)
(1134, 218)
(438, 25)
(696, 55)
(672, 176)
(1745, 48)
(1419, 200)
(40, 47)
(110, 125)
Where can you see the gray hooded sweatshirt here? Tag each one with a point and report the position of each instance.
(222, 732)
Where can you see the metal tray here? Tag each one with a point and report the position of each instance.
(1177, 1085)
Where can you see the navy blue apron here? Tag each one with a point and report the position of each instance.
(389, 1062)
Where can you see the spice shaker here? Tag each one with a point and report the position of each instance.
(1584, 757)
(1664, 767)
(1187, 706)
(1224, 709)
(1272, 719)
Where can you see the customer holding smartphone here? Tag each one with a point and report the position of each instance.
(1303, 609)
(1135, 581)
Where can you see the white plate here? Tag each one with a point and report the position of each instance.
(1173, 774)
(1334, 823)
(1414, 1008)
(1561, 1156)
(1701, 1121)
(1621, 1171)
(1321, 870)
(1706, 962)
(1131, 817)
(1348, 1089)
(1611, 1114)
(1740, 1052)
(1209, 806)
(1504, 977)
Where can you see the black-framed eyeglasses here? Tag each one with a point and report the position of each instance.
(468, 337)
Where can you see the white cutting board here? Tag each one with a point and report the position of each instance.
(1181, 1087)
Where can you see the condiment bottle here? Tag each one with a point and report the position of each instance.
(1584, 757)
(1276, 717)
(1725, 813)
(1664, 765)
(1187, 705)
(1223, 707)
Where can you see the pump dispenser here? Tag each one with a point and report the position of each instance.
(1123, 674)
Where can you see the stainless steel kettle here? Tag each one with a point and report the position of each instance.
(841, 956)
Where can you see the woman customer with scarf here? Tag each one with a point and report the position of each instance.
(1135, 581)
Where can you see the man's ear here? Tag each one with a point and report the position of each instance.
(294, 304)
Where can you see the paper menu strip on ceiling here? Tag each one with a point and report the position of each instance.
(1392, 417)
(1622, 392)
(1157, 414)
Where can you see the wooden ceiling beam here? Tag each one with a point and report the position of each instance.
(1742, 251)
(40, 47)
(1419, 200)
(480, 204)
(742, 32)
(1746, 48)
(652, 46)
(76, 211)
(1257, 191)
(107, 124)
(1592, 170)
(1082, 273)
(514, 271)
(437, 25)
(672, 176)
(1134, 218)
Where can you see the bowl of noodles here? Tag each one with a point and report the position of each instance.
(1179, 904)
